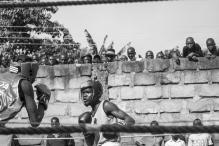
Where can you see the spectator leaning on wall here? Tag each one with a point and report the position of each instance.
(192, 50)
(212, 50)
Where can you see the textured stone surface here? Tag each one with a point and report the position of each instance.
(208, 90)
(57, 109)
(115, 93)
(61, 70)
(152, 92)
(205, 63)
(76, 82)
(157, 65)
(76, 109)
(185, 64)
(146, 107)
(182, 91)
(130, 66)
(67, 95)
(196, 76)
(85, 70)
(215, 75)
(170, 78)
(144, 79)
(119, 79)
(201, 105)
(43, 71)
(128, 93)
(171, 106)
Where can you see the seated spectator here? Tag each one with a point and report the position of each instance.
(212, 50)
(152, 140)
(192, 50)
(160, 55)
(52, 61)
(199, 139)
(59, 142)
(131, 54)
(87, 59)
(110, 55)
(175, 141)
(123, 58)
(96, 59)
(63, 59)
(149, 55)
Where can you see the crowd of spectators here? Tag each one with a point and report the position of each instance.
(197, 139)
(191, 50)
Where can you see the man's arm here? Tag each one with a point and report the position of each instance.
(35, 114)
(111, 109)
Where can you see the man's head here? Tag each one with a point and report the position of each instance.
(24, 66)
(55, 122)
(160, 55)
(123, 58)
(35, 58)
(149, 55)
(110, 55)
(154, 123)
(210, 44)
(91, 92)
(96, 59)
(63, 59)
(197, 122)
(52, 60)
(131, 53)
(87, 59)
(190, 42)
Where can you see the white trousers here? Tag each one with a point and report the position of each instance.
(109, 143)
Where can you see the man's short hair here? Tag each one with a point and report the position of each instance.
(197, 122)
(55, 118)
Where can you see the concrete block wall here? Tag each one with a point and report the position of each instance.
(148, 90)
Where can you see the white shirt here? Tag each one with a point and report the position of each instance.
(171, 142)
(202, 139)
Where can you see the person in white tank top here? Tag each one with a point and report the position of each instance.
(103, 112)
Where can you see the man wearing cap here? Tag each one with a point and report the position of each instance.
(192, 49)
(16, 91)
(212, 50)
(110, 55)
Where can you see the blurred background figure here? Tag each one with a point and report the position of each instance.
(96, 59)
(123, 58)
(160, 55)
(59, 142)
(87, 59)
(131, 54)
(110, 55)
(150, 140)
(63, 59)
(52, 61)
(200, 139)
(149, 55)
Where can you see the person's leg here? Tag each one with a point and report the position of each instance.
(109, 143)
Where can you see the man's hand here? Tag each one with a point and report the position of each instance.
(43, 94)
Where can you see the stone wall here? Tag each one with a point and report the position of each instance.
(148, 90)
